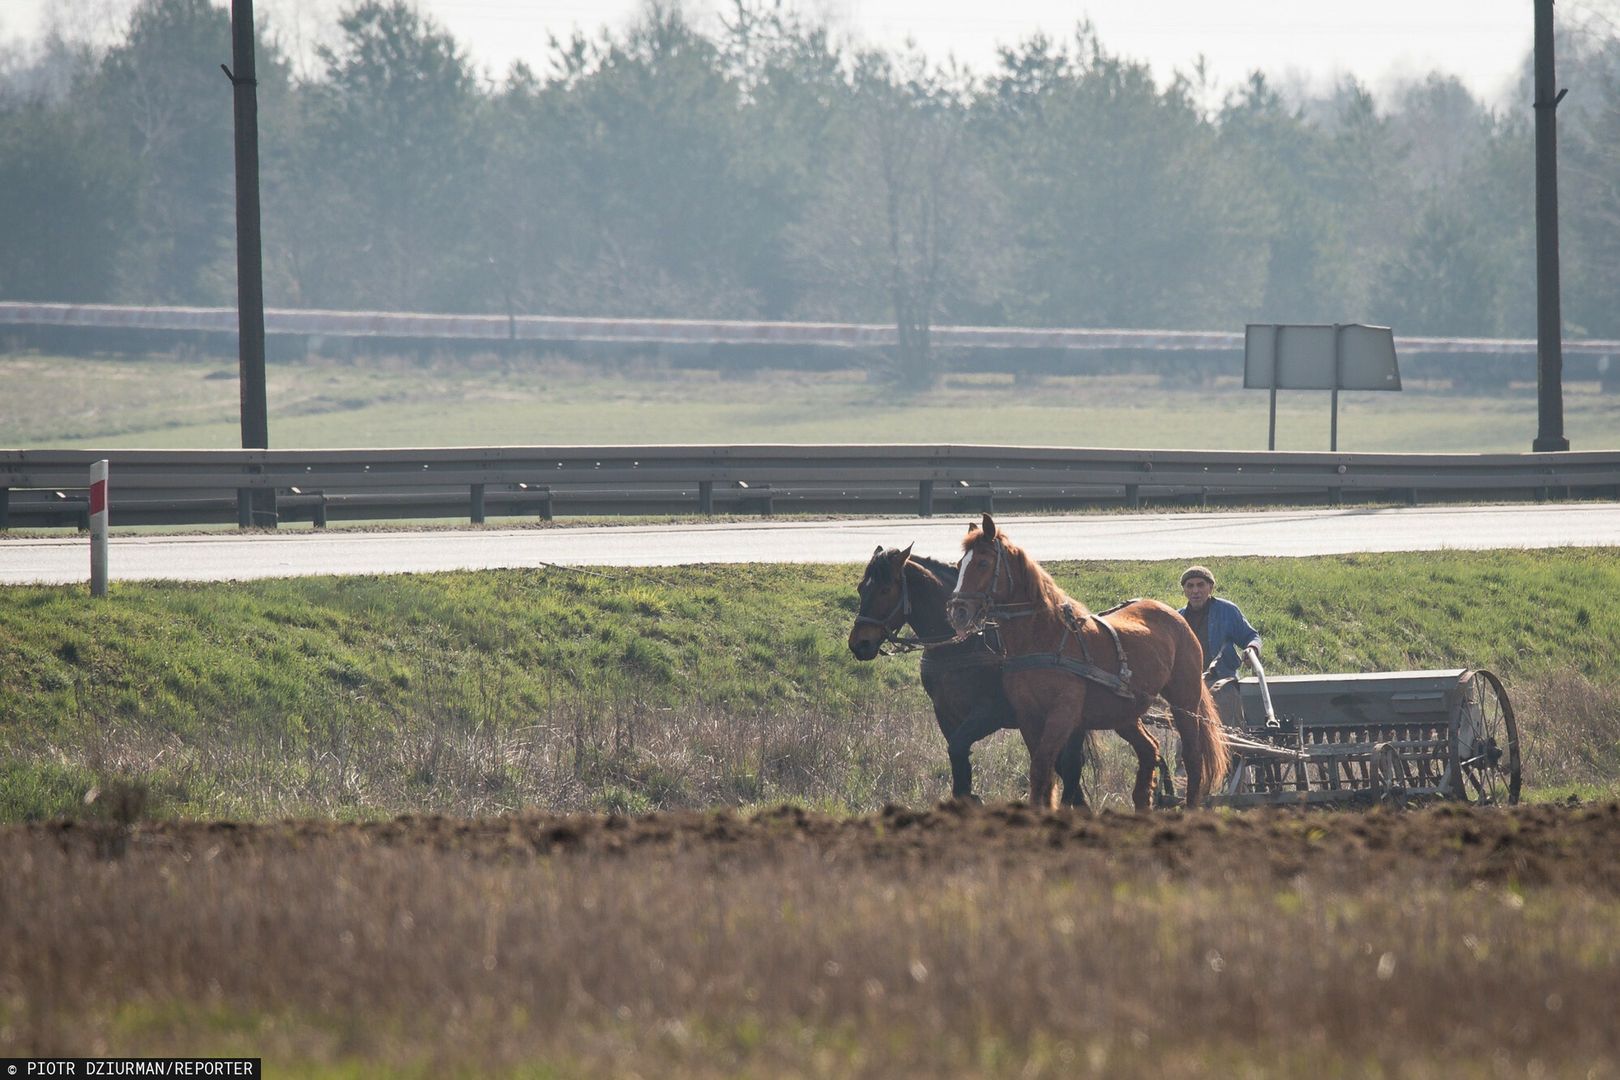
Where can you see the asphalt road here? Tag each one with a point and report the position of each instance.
(1110, 536)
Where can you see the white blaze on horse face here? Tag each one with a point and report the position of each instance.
(961, 572)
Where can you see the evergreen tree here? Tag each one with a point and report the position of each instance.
(391, 134)
(67, 202)
(159, 101)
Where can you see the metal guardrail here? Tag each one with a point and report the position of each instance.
(557, 329)
(47, 487)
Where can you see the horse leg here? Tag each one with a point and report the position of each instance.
(1147, 756)
(961, 766)
(1069, 764)
(1192, 757)
(981, 721)
(1054, 733)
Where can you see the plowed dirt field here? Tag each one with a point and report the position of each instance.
(1527, 845)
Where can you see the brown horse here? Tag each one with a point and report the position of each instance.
(961, 674)
(1066, 668)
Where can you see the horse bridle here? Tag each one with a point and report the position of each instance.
(990, 614)
(891, 634)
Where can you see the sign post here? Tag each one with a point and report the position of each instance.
(1343, 356)
(98, 528)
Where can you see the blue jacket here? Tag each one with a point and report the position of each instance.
(1226, 632)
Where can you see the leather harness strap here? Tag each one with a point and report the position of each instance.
(1118, 683)
(1073, 625)
(1034, 661)
(932, 659)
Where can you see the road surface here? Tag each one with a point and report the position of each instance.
(1105, 536)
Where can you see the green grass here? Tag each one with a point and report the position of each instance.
(636, 689)
(164, 402)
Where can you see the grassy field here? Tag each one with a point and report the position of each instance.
(633, 690)
(165, 402)
(692, 926)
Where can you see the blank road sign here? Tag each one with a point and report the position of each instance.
(1349, 356)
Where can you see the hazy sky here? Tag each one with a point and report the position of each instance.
(1379, 41)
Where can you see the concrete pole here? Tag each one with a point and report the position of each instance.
(255, 507)
(1549, 319)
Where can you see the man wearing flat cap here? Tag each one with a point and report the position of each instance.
(1225, 635)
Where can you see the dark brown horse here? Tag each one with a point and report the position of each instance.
(1067, 669)
(962, 675)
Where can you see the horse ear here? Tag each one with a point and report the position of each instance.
(877, 551)
(902, 556)
(988, 527)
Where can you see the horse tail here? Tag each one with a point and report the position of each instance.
(1203, 738)
(1214, 755)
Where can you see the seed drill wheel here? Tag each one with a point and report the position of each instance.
(1487, 744)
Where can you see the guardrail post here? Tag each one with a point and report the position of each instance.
(5, 508)
(1133, 495)
(925, 498)
(763, 500)
(706, 497)
(543, 505)
(256, 506)
(478, 504)
(319, 516)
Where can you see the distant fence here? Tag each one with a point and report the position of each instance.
(174, 487)
(737, 343)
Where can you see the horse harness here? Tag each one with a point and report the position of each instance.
(1073, 624)
(1117, 683)
(907, 642)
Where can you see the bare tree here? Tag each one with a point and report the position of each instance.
(906, 217)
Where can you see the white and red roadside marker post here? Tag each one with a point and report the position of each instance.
(98, 529)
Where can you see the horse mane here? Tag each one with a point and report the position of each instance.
(1044, 591)
(943, 571)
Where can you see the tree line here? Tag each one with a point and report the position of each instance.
(763, 170)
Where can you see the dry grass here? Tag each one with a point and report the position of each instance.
(463, 756)
(581, 753)
(329, 956)
(1570, 726)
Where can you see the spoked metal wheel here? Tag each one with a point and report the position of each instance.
(1487, 744)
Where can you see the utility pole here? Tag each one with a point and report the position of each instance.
(1549, 318)
(254, 506)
